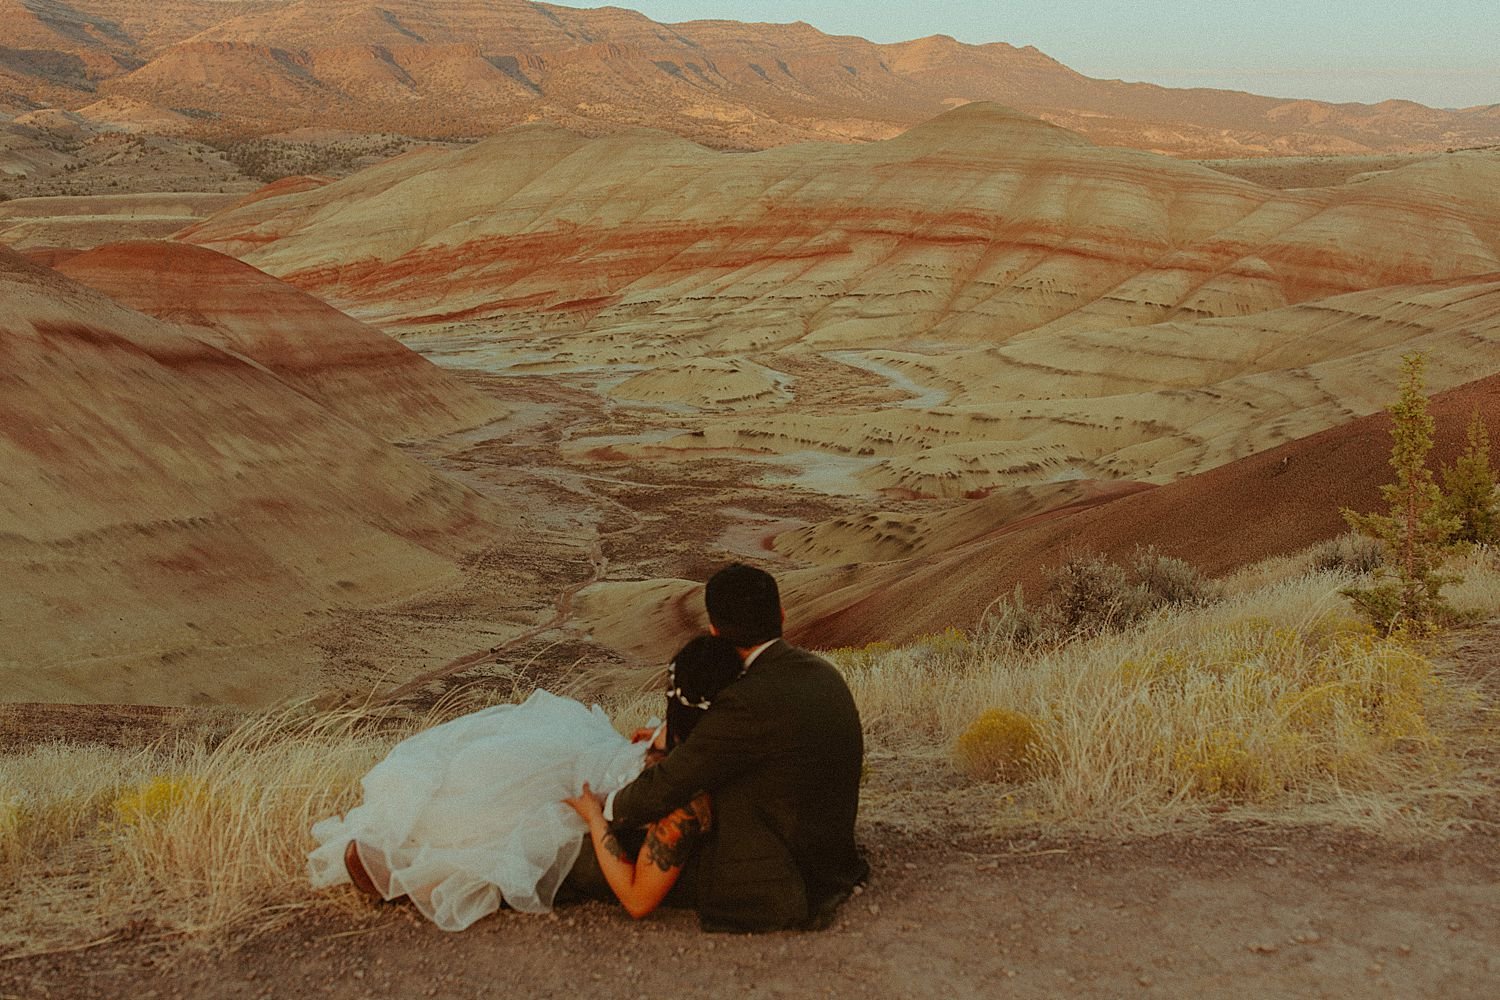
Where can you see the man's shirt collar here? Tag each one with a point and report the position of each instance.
(750, 656)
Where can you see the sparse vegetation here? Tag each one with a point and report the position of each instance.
(1469, 488)
(1350, 552)
(1274, 703)
(1089, 594)
(1407, 591)
(268, 160)
(1000, 745)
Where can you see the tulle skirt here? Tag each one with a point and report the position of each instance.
(470, 812)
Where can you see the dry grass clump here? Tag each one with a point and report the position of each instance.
(53, 795)
(1263, 712)
(217, 835)
(1350, 552)
(1000, 745)
(185, 837)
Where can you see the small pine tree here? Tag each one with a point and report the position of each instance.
(1469, 488)
(1415, 532)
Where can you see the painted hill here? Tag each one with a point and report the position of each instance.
(169, 509)
(354, 370)
(457, 68)
(1057, 310)
(976, 226)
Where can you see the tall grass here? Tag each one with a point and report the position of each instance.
(183, 838)
(1275, 703)
(218, 834)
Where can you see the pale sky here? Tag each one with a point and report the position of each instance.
(1444, 53)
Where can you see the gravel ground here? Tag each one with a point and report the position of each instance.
(1247, 912)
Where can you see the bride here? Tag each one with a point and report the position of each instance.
(499, 804)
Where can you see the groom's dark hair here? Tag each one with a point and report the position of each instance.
(744, 605)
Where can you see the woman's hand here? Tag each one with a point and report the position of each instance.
(589, 804)
(657, 735)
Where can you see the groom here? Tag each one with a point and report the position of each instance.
(780, 751)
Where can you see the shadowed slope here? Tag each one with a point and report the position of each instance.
(169, 509)
(1271, 503)
(354, 370)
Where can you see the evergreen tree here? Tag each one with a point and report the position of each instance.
(1469, 488)
(1415, 532)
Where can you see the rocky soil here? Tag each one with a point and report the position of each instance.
(1246, 912)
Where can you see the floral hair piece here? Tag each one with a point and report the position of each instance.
(675, 691)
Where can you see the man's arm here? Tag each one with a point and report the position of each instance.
(728, 740)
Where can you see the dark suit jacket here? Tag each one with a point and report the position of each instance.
(781, 752)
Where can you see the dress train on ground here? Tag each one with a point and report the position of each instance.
(470, 812)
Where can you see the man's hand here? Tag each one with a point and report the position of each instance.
(589, 804)
(643, 734)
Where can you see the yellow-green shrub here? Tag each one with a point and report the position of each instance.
(1000, 744)
(155, 799)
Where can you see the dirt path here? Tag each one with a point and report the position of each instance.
(1252, 914)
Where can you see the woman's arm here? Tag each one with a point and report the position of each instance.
(641, 884)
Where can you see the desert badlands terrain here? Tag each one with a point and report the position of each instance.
(622, 359)
(392, 359)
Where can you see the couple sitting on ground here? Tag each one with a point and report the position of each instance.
(741, 805)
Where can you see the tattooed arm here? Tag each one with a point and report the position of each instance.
(641, 884)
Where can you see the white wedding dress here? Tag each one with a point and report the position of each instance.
(469, 812)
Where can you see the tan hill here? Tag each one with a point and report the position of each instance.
(357, 372)
(1050, 309)
(81, 221)
(1271, 503)
(898, 574)
(50, 51)
(170, 510)
(456, 69)
(976, 226)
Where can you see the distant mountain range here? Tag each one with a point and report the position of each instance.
(446, 68)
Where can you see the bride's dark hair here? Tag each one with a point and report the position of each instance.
(699, 671)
